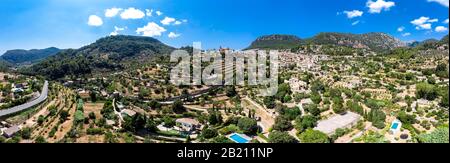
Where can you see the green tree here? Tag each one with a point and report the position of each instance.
(79, 116)
(426, 91)
(338, 106)
(406, 118)
(317, 86)
(215, 118)
(134, 123)
(313, 109)
(40, 139)
(282, 124)
(248, 125)
(26, 133)
(281, 137)
(269, 101)
(305, 122)
(168, 121)
(377, 117)
(353, 106)
(441, 70)
(151, 126)
(178, 107)
(316, 98)
(444, 101)
(292, 113)
(41, 119)
(283, 91)
(231, 91)
(63, 115)
(209, 133)
(153, 104)
(93, 96)
(313, 136)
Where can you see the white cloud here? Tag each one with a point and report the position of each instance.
(433, 20)
(442, 2)
(445, 21)
(420, 20)
(159, 13)
(173, 35)
(167, 20)
(151, 29)
(112, 12)
(132, 13)
(379, 5)
(353, 14)
(177, 22)
(185, 20)
(424, 26)
(355, 23)
(400, 29)
(406, 34)
(423, 22)
(149, 12)
(95, 20)
(116, 31)
(441, 29)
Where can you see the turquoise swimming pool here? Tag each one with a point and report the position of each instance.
(238, 138)
(394, 126)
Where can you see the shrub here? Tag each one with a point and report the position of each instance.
(94, 131)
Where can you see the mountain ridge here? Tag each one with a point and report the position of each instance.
(105, 54)
(373, 41)
(21, 56)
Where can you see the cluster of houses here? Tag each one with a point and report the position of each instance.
(298, 86)
(14, 89)
(302, 61)
(348, 82)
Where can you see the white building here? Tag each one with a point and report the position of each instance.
(298, 86)
(330, 125)
(188, 124)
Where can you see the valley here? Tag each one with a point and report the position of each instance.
(332, 88)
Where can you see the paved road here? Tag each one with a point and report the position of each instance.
(42, 98)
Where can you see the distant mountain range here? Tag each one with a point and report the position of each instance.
(106, 54)
(117, 52)
(429, 43)
(20, 56)
(372, 41)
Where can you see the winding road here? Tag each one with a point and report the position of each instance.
(19, 108)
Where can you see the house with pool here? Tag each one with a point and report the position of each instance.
(395, 127)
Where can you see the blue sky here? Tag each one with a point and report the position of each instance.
(28, 24)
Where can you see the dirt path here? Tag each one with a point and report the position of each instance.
(195, 108)
(267, 119)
